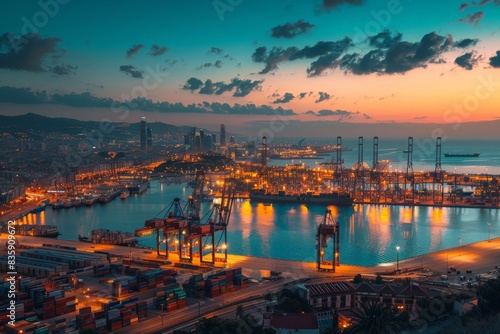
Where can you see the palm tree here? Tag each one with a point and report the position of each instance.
(374, 319)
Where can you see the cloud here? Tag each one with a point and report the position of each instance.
(473, 18)
(384, 39)
(399, 58)
(467, 60)
(366, 116)
(132, 71)
(466, 42)
(81, 100)
(495, 60)
(217, 64)
(323, 63)
(22, 95)
(463, 6)
(238, 86)
(156, 50)
(342, 114)
(310, 112)
(64, 69)
(134, 50)
(215, 50)
(290, 30)
(323, 96)
(87, 100)
(304, 94)
(285, 99)
(332, 4)
(278, 55)
(419, 117)
(193, 84)
(29, 52)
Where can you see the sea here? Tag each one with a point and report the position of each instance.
(369, 233)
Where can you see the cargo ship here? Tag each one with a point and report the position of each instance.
(459, 155)
(106, 198)
(119, 238)
(138, 188)
(333, 198)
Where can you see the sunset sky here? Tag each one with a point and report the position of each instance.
(249, 63)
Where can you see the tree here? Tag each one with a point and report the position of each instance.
(358, 278)
(374, 319)
(489, 296)
(378, 279)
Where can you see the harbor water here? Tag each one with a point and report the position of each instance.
(368, 233)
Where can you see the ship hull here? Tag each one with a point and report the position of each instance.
(139, 189)
(326, 199)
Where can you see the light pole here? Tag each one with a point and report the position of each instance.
(397, 258)
(489, 226)
(459, 245)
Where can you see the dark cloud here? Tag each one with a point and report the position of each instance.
(327, 49)
(463, 6)
(193, 84)
(384, 39)
(323, 63)
(215, 50)
(419, 117)
(310, 112)
(216, 64)
(342, 114)
(238, 86)
(399, 58)
(134, 50)
(467, 60)
(273, 58)
(132, 71)
(28, 53)
(285, 99)
(22, 95)
(87, 100)
(157, 50)
(290, 30)
(331, 4)
(82, 100)
(323, 96)
(304, 94)
(495, 60)
(466, 42)
(473, 18)
(366, 116)
(64, 69)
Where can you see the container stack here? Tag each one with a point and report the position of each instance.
(196, 286)
(171, 299)
(102, 270)
(107, 237)
(86, 319)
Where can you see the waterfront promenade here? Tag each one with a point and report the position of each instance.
(478, 257)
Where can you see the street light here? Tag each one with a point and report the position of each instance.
(397, 257)
(459, 245)
(489, 225)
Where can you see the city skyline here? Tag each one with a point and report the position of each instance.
(254, 66)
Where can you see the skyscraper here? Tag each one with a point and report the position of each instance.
(222, 135)
(144, 144)
(202, 140)
(149, 139)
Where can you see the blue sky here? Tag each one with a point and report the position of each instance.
(252, 54)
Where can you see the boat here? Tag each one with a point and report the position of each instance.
(333, 198)
(83, 238)
(125, 194)
(106, 198)
(138, 188)
(44, 231)
(459, 155)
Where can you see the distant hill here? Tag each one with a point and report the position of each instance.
(37, 124)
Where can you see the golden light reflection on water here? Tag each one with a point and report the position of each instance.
(438, 219)
(406, 215)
